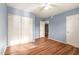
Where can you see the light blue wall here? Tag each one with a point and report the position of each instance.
(3, 28)
(57, 26)
(37, 27)
(16, 11)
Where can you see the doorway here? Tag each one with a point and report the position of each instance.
(46, 30)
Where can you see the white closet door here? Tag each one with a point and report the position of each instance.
(42, 28)
(14, 29)
(73, 30)
(27, 33)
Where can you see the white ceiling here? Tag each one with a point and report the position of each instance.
(39, 10)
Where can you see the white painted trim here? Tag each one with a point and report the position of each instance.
(4, 50)
(42, 28)
(58, 40)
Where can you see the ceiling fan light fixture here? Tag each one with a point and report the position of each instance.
(46, 6)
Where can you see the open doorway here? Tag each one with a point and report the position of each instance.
(44, 28)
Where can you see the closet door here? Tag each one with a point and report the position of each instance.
(14, 29)
(72, 28)
(27, 27)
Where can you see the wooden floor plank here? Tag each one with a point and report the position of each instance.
(42, 46)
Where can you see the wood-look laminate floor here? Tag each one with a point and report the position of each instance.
(42, 46)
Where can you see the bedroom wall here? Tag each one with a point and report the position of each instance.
(37, 27)
(57, 25)
(3, 28)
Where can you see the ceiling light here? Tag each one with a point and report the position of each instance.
(46, 6)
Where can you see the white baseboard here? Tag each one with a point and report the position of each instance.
(4, 50)
(58, 40)
(77, 46)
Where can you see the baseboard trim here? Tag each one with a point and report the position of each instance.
(4, 50)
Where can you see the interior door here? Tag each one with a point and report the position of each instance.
(72, 28)
(42, 29)
(14, 32)
(27, 30)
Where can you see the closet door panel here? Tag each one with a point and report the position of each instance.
(14, 26)
(27, 33)
(72, 28)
